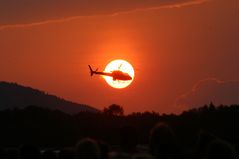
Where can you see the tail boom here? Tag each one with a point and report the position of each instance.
(92, 72)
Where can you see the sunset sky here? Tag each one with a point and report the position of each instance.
(185, 52)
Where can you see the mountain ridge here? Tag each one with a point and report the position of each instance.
(14, 95)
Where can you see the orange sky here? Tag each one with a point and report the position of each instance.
(170, 48)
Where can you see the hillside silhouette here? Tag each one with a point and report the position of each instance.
(13, 96)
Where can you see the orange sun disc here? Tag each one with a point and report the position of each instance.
(120, 65)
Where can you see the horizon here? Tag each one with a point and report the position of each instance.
(90, 106)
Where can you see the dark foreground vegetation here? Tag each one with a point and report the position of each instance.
(206, 131)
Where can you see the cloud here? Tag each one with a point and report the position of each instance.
(209, 90)
(22, 13)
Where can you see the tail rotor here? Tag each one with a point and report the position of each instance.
(91, 71)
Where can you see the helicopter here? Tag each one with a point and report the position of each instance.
(116, 74)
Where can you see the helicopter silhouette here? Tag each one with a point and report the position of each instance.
(116, 74)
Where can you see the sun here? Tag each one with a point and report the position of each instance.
(123, 66)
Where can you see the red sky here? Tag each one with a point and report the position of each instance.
(173, 47)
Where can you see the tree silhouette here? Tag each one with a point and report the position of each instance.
(114, 109)
(53, 128)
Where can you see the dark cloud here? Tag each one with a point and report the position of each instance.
(14, 12)
(210, 90)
